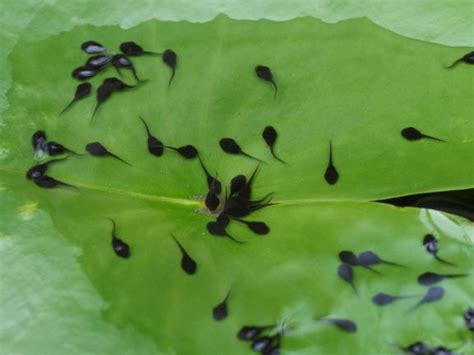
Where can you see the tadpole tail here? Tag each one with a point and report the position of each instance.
(95, 111)
(172, 148)
(433, 138)
(206, 172)
(69, 105)
(146, 126)
(152, 53)
(371, 269)
(173, 71)
(67, 185)
(454, 276)
(73, 152)
(276, 156)
(113, 225)
(264, 198)
(233, 239)
(251, 157)
(134, 72)
(444, 261)
(354, 288)
(455, 63)
(178, 244)
(275, 87)
(391, 263)
(118, 158)
(415, 306)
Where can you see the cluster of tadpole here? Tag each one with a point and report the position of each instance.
(263, 338)
(101, 58)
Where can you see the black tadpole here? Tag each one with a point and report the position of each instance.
(170, 58)
(84, 72)
(251, 332)
(98, 61)
(119, 246)
(230, 146)
(155, 146)
(345, 273)
(82, 91)
(187, 151)
(92, 47)
(264, 73)
(413, 134)
(433, 294)
(212, 200)
(212, 182)
(103, 92)
(55, 148)
(431, 245)
(218, 230)
(468, 59)
(369, 258)
(133, 49)
(270, 136)
(47, 182)
(259, 228)
(431, 278)
(221, 311)
(37, 171)
(343, 324)
(331, 175)
(38, 141)
(121, 61)
(382, 299)
(96, 149)
(188, 264)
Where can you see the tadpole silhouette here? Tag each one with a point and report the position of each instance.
(433, 294)
(218, 230)
(349, 258)
(103, 92)
(118, 245)
(170, 58)
(187, 151)
(259, 228)
(96, 149)
(121, 61)
(38, 141)
(431, 278)
(84, 72)
(47, 182)
(212, 182)
(92, 47)
(230, 146)
(55, 148)
(188, 264)
(413, 134)
(345, 273)
(221, 311)
(343, 324)
(382, 299)
(270, 136)
(369, 258)
(155, 146)
(431, 245)
(98, 61)
(133, 49)
(82, 91)
(468, 59)
(264, 73)
(331, 175)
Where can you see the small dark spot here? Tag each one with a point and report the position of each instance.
(412, 134)
(345, 273)
(120, 247)
(331, 175)
(433, 294)
(349, 258)
(264, 73)
(155, 146)
(170, 58)
(188, 264)
(270, 136)
(230, 146)
(96, 149)
(221, 311)
(431, 278)
(468, 59)
(92, 47)
(82, 91)
(441, 350)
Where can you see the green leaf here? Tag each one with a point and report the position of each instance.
(351, 83)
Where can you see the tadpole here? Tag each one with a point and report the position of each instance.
(469, 318)
(264, 73)
(412, 134)
(270, 136)
(230, 146)
(187, 151)
(343, 324)
(431, 245)
(188, 264)
(212, 200)
(212, 182)
(103, 92)
(38, 170)
(121, 61)
(38, 141)
(55, 148)
(349, 258)
(221, 311)
(251, 332)
(98, 61)
(331, 175)
(259, 228)
(92, 47)
(170, 58)
(431, 278)
(48, 182)
(133, 49)
(120, 247)
(369, 258)
(433, 294)
(82, 91)
(84, 72)
(155, 146)
(468, 59)
(345, 273)
(382, 299)
(96, 149)
(216, 229)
